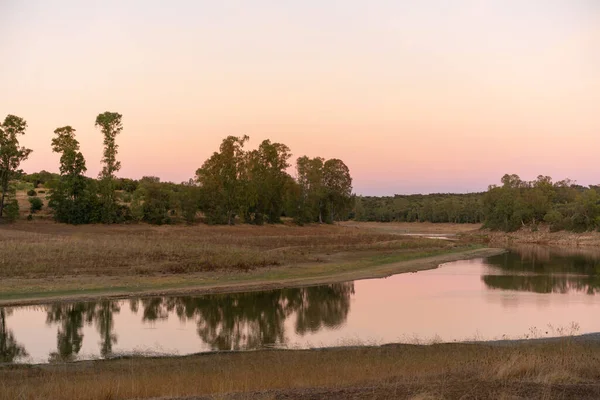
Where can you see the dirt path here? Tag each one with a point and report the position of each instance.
(277, 278)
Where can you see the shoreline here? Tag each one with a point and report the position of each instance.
(542, 237)
(305, 276)
(592, 338)
(479, 370)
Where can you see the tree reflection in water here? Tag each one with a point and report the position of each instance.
(10, 349)
(544, 270)
(71, 318)
(255, 319)
(225, 322)
(69, 337)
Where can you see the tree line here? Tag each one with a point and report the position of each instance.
(253, 186)
(563, 205)
(438, 207)
(233, 185)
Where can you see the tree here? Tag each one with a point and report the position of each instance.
(268, 178)
(36, 204)
(69, 199)
(188, 199)
(156, 203)
(359, 209)
(110, 126)
(11, 153)
(223, 181)
(338, 188)
(310, 179)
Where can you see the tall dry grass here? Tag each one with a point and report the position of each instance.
(44, 249)
(398, 371)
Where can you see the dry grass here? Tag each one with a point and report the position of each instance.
(414, 227)
(44, 249)
(24, 205)
(400, 371)
(543, 235)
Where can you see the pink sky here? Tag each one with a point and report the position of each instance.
(429, 96)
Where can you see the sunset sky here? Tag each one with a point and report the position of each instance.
(415, 96)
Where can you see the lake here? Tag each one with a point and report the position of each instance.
(529, 292)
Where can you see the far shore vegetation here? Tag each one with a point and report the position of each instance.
(239, 186)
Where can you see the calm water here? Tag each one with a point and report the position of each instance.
(529, 292)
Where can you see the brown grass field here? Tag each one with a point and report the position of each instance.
(559, 370)
(40, 258)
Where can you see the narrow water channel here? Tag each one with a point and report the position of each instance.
(530, 292)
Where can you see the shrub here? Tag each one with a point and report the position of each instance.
(42, 191)
(21, 185)
(11, 210)
(535, 228)
(31, 193)
(36, 204)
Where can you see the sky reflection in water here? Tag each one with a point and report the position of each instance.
(532, 289)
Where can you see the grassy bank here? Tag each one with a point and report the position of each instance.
(540, 235)
(43, 260)
(565, 370)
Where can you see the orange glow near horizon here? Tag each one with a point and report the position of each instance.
(414, 98)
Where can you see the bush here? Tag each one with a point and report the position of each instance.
(42, 191)
(31, 193)
(22, 185)
(11, 210)
(36, 204)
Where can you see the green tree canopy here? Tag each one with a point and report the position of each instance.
(11, 153)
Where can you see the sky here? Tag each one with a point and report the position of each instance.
(414, 96)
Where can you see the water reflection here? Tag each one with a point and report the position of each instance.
(10, 349)
(255, 319)
(488, 298)
(71, 318)
(544, 270)
(237, 321)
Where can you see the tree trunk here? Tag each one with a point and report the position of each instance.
(332, 213)
(4, 189)
(320, 213)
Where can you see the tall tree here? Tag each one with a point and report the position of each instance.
(268, 179)
(110, 125)
(310, 178)
(338, 188)
(11, 153)
(223, 181)
(67, 198)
